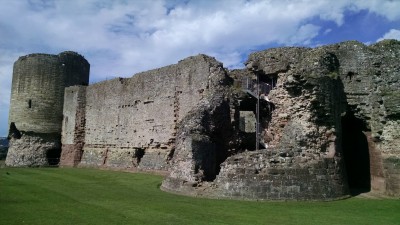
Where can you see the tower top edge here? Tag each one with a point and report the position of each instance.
(64, 53)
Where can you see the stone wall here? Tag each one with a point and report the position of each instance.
(140, 115)
(73, 135)
(303, 159)
(33, 150)
(37, 92)
(270, 175)
(36, 108)
(330, 126)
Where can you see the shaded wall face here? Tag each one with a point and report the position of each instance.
(370, 79)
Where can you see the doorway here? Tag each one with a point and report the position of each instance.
(356, 154)
(53, 156)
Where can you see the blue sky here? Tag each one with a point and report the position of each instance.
(122, 37)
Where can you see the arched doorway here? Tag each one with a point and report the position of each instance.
(356, 154)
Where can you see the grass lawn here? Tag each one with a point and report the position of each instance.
(89, 196)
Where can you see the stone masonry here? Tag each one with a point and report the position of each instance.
(139, 116)
(36, 109)
(329, 124)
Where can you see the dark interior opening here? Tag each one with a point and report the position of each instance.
(350, 75)
(270, 79)
(248, 140)
(139, 153)
(221, 138)
(356, 154)
(53, 156)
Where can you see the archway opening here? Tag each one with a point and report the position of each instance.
(356, 154)
(53, 156)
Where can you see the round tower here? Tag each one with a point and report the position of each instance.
(37, 98)
(38, 84)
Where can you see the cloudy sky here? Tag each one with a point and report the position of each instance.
(122, 37)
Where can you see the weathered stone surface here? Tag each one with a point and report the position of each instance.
(73, 135)
(247, 121)
(303, 159)
(203, 139)
(330, 124)
(33, 150)
(138, 114)
(274, 175)
(37, 92)
(36, 108)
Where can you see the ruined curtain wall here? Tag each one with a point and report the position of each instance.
(132, 122)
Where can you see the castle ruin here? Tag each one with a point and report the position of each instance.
(36, 108)
(296, 123)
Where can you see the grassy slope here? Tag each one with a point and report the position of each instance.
(84, 196)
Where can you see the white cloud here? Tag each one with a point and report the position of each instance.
(389, 9)
(327, 31)
(304, 34)
(392, 34)
(120, 38)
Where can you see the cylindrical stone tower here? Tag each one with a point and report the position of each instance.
(36, 108)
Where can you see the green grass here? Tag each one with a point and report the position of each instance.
(88, 196)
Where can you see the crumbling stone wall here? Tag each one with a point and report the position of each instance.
(319, 94)
(371, 79)
(140, 115)
(36, 107)
(330, 124)
(33, 149)
(204, 141)
(301, 161)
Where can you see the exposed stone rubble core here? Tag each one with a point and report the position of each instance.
(316, 93)
(301, 162)
(34, 150)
